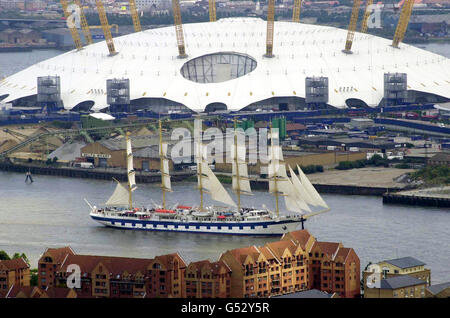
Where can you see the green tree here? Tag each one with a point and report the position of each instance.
(34, 277)
(4, 256)
(25, 258)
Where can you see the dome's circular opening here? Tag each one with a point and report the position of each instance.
(218, 67)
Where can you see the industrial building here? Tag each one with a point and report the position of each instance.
(240, 64)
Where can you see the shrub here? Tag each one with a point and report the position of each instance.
(310, 169)
(319, 168)
(345, 165)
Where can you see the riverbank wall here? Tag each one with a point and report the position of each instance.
(102, 174)
(335, 188)
(416, 199)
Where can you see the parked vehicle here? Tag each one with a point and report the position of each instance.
(84, 165)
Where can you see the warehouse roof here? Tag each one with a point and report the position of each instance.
(436, 289)
(400, 282)
(405, 262)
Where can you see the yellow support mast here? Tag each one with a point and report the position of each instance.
(366, 16)
(352, 27)
(403, 22)
(296, 11)
(212, 11)
(72, 28)
(270, 27)
(105, 27)
(84, 24)
(178, 28)
(135, 17)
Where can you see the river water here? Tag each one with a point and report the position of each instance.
(51, 212)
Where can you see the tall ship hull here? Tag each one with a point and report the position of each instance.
(263, 228)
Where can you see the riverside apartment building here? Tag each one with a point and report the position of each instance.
(297, 262)
(13, 273)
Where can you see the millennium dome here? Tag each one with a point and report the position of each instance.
(226, 66)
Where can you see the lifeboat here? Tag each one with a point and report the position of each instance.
(164, 211)
(202, 213)
(184, 207)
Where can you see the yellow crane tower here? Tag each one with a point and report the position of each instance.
(270, 26)
(135, 17)
(84, 24)
(178, 28)
(105, 27)
(72, 27)
(352, 26)
(212, 11)
(296, 10)
(366, 16)
(403, 22)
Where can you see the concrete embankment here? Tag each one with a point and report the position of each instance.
(437, 197)
(262, 184)
(97, 173)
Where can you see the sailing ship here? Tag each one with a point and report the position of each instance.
(298, 193)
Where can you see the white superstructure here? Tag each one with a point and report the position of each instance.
(149, 60)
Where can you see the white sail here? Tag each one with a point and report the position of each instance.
(119, 197)
(240, 179)
(212, 185)
(298, 186)
(130, 169)
(165, 171)
(318, 201)
(284, 186)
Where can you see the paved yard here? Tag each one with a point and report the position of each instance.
(369, 177)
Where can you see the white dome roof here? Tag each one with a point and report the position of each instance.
(149, 60)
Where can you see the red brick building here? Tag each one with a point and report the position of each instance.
(331, 267)
(114, 277)
(208, 280)
(15, 272)
(297, 262)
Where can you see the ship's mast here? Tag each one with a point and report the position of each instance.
(236, 162)
(199, 156)
(275, 180)
(130, 198)
(161, 159)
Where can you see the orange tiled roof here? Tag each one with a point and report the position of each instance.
(59, 254)
(27, 291)
(168, 260)
(240, 254)
(57, 292)
(279, 247)
(268, 254)
(344, 252)
(328, 248)
(214, 266)
(116, 265)
(301, 237)
(15, 264)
